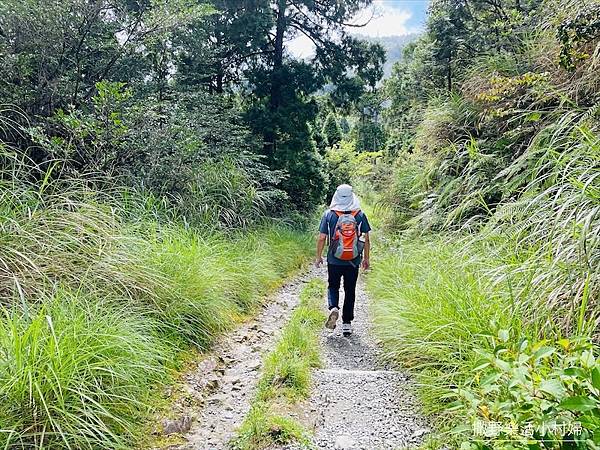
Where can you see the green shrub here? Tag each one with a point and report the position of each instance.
(442, 308)
(553, 228)
(404, 191)
(347, 166)
(542, 394)
(195, 151)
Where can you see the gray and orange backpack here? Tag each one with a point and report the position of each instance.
(345, 244)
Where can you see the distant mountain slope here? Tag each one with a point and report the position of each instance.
(394, 45)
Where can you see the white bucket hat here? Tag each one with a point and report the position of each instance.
(344, 199)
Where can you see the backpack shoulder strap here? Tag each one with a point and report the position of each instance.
(328, 217)
(358, 215)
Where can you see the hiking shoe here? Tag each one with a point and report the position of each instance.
(334, 313)
(346, 329)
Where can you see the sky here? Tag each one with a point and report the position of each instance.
(390, 18)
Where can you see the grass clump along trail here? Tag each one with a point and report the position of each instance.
(285, 377)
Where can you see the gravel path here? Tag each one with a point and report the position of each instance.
(362, 403)
(357, 402)
(218, 391)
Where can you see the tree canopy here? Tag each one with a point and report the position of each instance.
(143, 88)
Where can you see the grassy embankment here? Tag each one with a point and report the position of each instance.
(478, 328)
(285, 377)
(477, 349)
(491, 292)
(432, 304)
(99, 297)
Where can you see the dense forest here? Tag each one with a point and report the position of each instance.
(162, 164)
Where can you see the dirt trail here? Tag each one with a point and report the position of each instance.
(219, 390)
(361, 402)
(356, 403)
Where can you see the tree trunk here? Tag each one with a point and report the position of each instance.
(276, 76)
(449, 73)
(219, 81)
(270, 136)
(220, 72)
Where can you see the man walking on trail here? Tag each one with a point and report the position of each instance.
(347, 229)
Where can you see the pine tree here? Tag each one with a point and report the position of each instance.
(332, 130)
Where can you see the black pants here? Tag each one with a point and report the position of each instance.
(334, 278)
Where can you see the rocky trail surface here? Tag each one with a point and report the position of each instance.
(361, 402)
(357, 402)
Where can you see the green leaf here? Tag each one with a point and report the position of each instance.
(502, 365)
(596, 377)
(452, 394)
(484, 354)
(553, 387)
(578, 403)
(543, 352)
(523, 345)
(564, 343)
(468, 446)
(454, 406)
(459, 429)
(490, 378)
(481, 364)
(587, 359)
(533, 117)
(575, 372)
(503, 335)
(520, 376)
(523, 358)
(500, 349)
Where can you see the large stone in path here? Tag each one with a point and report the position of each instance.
(344, 442)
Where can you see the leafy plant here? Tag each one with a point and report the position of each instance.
(583, 28)
(526, 394)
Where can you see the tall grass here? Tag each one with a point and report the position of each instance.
(433, 301)
(440, 312)
(96, 300)
(76, 372)
(537, 210)
(554, 227)
(203, 282)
